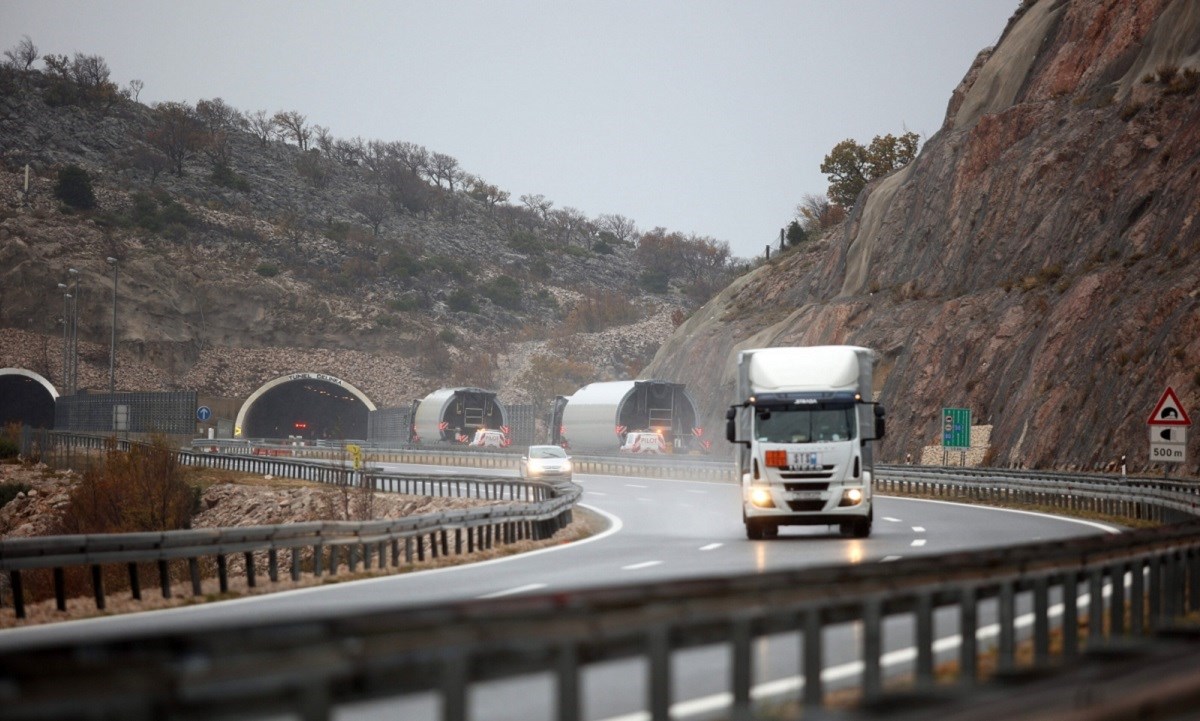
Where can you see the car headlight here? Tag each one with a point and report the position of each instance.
(566, 466)
(761, 497)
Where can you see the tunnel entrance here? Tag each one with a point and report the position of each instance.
(308, 405)
(27, 398)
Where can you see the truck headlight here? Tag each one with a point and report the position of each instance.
(761, 497)
(851, 497)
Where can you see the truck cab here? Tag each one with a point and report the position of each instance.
(804, 428)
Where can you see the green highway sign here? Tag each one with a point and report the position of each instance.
(956, 428)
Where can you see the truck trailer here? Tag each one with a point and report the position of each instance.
(600, 417)
(454, 415)
(803, 423)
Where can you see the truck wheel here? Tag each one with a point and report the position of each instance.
(862, 528)
(754, 530)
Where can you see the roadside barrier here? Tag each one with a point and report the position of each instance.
(1128, 587)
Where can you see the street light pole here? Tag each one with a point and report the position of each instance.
(72, 383)
(66, 326)
(112, 354)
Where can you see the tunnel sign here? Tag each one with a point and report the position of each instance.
(1169, 411)
(1168, 430)
(203, 413)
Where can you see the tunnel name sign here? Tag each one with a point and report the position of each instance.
(1168, 429)
(315, 377)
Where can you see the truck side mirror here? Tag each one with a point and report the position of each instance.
(731, 425)
(880, 422)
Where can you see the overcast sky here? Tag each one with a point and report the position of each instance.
(699, 116)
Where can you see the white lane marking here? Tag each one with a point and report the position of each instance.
(793, 684)
(595, 493)
(514, 591)
(891, 520)
(887, 559)
(918, 543)
(918, 529)
(711, 546)
(634, 485)
(637, 566)
(1102, 526)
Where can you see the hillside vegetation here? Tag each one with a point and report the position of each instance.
(252, 244)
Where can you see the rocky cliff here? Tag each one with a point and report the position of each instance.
(1038, 262)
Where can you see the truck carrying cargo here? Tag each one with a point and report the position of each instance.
(455, 414)
(804, 422)
(600, 417)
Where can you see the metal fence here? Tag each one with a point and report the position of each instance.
(167, 413)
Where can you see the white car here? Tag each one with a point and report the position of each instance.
(546, 462)
(644, 442)
(488, 438)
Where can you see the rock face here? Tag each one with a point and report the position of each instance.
(1038, 262)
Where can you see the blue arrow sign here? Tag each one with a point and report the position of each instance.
(203, 413)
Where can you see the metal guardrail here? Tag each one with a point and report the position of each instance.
(531, 510)
(1152, 576)
(310, 667)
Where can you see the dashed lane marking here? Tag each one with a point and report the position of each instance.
(514, 591)
(638, 566)
(711, 546)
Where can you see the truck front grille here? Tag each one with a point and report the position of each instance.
(812, 486)
(806, 506)
(807, 474)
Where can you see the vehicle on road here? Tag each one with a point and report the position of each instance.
(644, 442)
(804, 421)
(546, 462)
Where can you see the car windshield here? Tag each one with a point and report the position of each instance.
(546, 452)
(804, 425)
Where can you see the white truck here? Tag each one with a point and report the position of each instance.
(803, 421)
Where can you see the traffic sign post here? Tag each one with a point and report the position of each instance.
(956, 431)
(1168, 424)
(203, 413)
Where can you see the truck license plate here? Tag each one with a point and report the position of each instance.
(804, 461)
(804, 495)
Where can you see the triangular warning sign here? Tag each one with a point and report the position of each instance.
(1169, 411)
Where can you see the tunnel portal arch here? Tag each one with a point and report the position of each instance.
(311, 405)
(26, 398)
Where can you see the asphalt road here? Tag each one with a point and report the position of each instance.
(660, 530)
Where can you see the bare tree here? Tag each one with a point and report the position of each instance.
(375, 208)
(135, 89)
(148, 159)
(443, 167)
(570, 225)
(323, 140)
(293, 125)
(538, 204)
(349, 152)
(817, 213)
(622, 229)
(219, 120)
(412, 156)
(262, 126)
(23, 55)
(176, 133)
(485, 192)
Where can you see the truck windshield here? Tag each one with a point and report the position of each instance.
(804, 425)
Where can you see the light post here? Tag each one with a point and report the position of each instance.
(73, 378)
(112, 354)
(66, 326)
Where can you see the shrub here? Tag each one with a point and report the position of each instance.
(448, 336)
(9, 448)
(654, 281)
(9, 491)
(74, 188)
(224, 176)
(139, 490)
(267, 270)
(504, 291)
(597, 312)
(462, 300)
